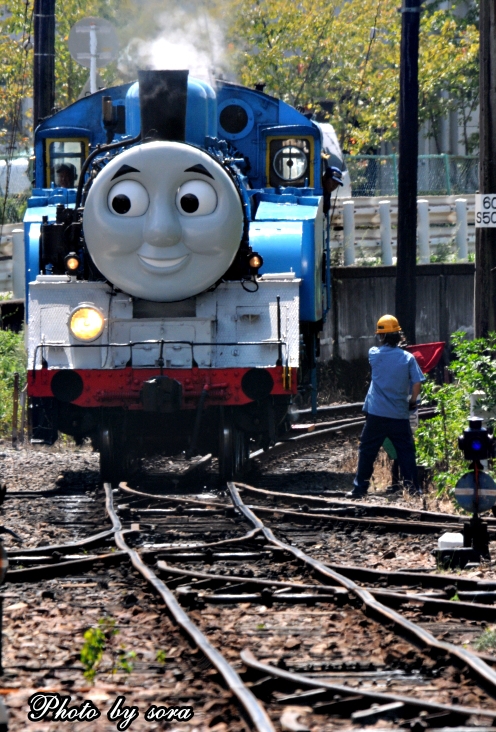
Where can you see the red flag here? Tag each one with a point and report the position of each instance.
(428, 355)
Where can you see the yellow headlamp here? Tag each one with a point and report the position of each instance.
(86, 323)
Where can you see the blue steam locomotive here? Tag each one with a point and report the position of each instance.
(177, 265)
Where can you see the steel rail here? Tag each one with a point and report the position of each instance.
(238, 579)
(432, 604)
(331, 409)
(408, 527)
(431, 581)
(61, 569)
(306, 427)
(483, 671)
(309, 438)
(258, 716)
(394, 511)
(222, 542)
(420, 527)
(318, 435)
(90, 541)
(249, 660)
(123, 486)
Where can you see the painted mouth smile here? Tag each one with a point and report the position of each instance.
(165, 265)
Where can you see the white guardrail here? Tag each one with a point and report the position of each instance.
(365, 228)
(12, 259)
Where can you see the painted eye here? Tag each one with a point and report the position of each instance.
(128, 198)
(196, 198)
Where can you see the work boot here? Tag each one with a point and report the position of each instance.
(357, 492)
(392, 489)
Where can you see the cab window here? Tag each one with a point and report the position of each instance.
(289, 162)
(64, 162)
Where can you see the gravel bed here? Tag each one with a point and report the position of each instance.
(45, 622)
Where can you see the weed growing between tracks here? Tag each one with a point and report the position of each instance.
(487, 641)
(96, 642)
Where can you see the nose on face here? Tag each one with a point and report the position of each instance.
(163, 226)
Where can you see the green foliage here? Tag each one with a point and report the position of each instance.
(444, 253)
(14, 208)
(455, 598)
(12, 360)
(342, 61)
(124, 661)
(161, 656)
(16, 54)
(95, 644)
(474, 369)
(92, 651)
(437, 438)
(487, 641)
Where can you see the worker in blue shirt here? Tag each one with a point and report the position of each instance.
(393, 393)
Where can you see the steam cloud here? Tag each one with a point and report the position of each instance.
(182, 42)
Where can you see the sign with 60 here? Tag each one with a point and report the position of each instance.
(485, 210)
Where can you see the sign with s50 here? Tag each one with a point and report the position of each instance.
(485, 210)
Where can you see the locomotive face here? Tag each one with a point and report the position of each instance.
(163, 221)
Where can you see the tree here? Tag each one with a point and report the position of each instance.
(137, 22)
(16, 54)
(448, 71)
(342, 60)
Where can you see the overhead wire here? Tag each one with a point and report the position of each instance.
(13, 122)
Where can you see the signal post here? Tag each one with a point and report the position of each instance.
(485, 241)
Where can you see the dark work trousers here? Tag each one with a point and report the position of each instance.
(374, 433)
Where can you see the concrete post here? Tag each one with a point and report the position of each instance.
(385, 229)
(423, 230)
(349, 232)
(18, 274)
(461, 229)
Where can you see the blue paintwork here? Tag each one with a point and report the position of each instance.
(272, 119)
(81, 119)
(201, 116)
(288, 224)
(289, 237)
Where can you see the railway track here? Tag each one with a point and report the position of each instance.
(287, 636)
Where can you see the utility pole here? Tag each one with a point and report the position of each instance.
(485, 239)
(44, 60)
(406, 286)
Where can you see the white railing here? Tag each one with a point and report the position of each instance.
(365, 228)
(12, 259)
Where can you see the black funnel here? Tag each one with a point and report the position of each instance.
(163, 97)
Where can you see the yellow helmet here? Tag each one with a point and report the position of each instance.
(388, 324)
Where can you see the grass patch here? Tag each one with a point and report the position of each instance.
(12, 359)
(487, 641)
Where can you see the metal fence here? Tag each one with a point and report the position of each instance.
(438, 175)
